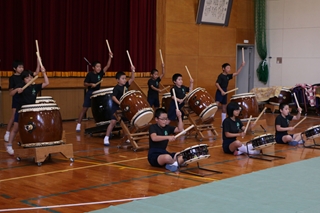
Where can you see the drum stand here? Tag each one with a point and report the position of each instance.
(132, 133)
(262, 156)
(200, 125)
(314, 145)
(41, 153)
(101, 128)
(187, 170)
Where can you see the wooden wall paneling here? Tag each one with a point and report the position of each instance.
(182, 11)
(6, 110)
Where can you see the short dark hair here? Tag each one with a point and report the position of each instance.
(26, 74)
(231, 107)
(16, 63)
(153, 71)
(119, 74)
(225, 65)
(176, 76)
(282, 105)
(159, 111)
(93, 64)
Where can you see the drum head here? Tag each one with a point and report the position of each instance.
(166, 95)
(127, 94)
(243, 95)
(101, 92)
(262, 136)
(313, 132)
(210, 111)
(43, 97)
(142, 117)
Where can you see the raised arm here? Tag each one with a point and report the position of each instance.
(133, 69)
(36, 72)
(108, 63)
(163, 71)
(45, 78)
(239, 70)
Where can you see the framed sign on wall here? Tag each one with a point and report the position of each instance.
(216, 12)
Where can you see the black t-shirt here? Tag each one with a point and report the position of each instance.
(180, 92)
(118, 90)
(231, 126)
(29, 95)
(283, 122)
(223, 80)
(14, 82)
(92, 77)
(155, 128)
(151, 92)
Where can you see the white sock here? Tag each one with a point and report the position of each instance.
(243, 148)
(175, 163)
(7, 132)
(223, 116)
(106, 137)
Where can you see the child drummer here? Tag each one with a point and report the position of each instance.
(282, 126)
(159, 135)
(180, 91)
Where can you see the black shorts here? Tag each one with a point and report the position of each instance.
(87, 99)
(221, 98)
(154, 102)
(154, 153)
(172, 115)
(225, 146)
(279, 138)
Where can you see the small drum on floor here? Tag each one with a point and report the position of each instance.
(285, 97)
(44, 100)
(101, 105)
(248, 103)
(263, 141)
(201, 102)
(166, 99)
(136, 108)
(312, 132)
(40, 125)
(195, 153)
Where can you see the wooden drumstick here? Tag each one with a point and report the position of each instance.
(164, 88)
(30, 82)
(245, 130)
(242, 55)
(99, 82)
(232, 90)
(175, 98)
(129, 58)
(299, 122)
(260, 115)
(188, 72)
(161, 56)
(295, 97)
(37, 46)
(184, 131)
(124, 90)
(39, 58)
(109, 48)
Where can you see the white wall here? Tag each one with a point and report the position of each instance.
(293, 33)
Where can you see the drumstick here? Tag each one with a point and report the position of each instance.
(109, 48)
(299, 122)
(165, 88)
(37, 46)
(260, 115)
(99, 82)
(232, 90)
(129, 58)
(295, 97)
(188, 72)
(184, 131)
(242, 55)
(30, 82)
(245, 130)
(175, 98)
(161, 56)
(40, 62)
(124, 90)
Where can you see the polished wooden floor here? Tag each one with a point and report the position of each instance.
(103, 176)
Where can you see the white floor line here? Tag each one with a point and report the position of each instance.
(77, 204)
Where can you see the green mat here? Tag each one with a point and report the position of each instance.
(289, 188)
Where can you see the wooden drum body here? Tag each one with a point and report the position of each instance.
(136, 108)
(195, 153)
(248, 103)
(263, 141)
(101, 104)
(201, 102)
(40, 125)
(166, 100)
(285, 97)
(312, 132)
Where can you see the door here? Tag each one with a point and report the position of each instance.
(245, 80)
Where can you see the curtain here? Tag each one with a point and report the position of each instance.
(260, 34)
(69, 30)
